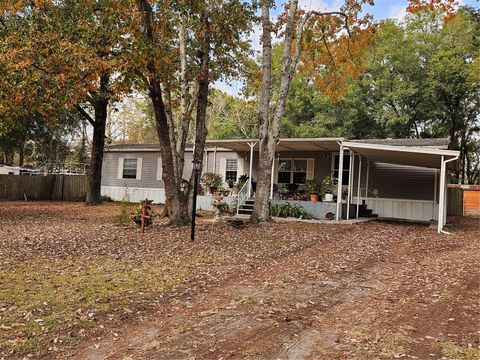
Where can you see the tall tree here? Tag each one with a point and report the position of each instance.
(324, 28)
(71, 54)
(188, 44)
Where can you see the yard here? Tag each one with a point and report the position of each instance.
(74, 283)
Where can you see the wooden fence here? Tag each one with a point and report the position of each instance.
(454, 201)
(50, 187)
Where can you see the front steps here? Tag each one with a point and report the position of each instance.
(365, 212)
(247, 207)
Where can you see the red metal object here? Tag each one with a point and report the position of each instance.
(145, 216)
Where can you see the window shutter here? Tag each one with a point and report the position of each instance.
(223, 167)
(139, 168)
(310, 169)
(120, 169)
(159, 168)
(240, 167)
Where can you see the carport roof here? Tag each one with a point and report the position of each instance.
(405, 155)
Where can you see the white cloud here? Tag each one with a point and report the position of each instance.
(231, 87)
(397, 11)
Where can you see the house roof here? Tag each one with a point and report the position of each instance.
(289, 144)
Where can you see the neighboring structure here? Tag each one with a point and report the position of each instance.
(9, 170)
(395, 178)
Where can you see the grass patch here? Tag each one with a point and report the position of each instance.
(390, 345)
(455, 352)
(45, 304)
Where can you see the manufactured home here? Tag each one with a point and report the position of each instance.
(391, 178)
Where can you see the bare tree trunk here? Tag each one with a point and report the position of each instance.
(202, 96)
(270, 130)
(21, 153)
(98, 144)
(172, 144)
(261, 209)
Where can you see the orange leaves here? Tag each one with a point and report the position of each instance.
(448, 7)
(334, 48)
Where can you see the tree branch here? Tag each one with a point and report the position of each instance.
(85, 115)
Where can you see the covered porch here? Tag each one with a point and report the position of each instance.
(393, 181)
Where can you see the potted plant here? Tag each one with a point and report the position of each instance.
(328, 187)
(313, 188)
(220, 206)
(212, 181)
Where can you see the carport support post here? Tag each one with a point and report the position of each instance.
(358, 185)
(252, 145)
(441, 201)
(350, 179)
(338, 214)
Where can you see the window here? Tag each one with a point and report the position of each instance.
(299, 171)
(231, 170)
(346, 167)
(292, 171)
(129, 169)
(284, 171)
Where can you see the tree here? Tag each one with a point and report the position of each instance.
(72, 54)
(230, 117)
(201, 42)
(327, 47)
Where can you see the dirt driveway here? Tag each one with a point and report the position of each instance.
(369, 291)
(285, 291)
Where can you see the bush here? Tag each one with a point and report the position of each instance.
(289, 210)
(105, 198)
(123, 217)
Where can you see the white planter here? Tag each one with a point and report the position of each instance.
(328, 197)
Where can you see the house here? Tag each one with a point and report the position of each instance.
(393, 178)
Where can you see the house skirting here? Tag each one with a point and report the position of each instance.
(406, 209)
(120, 193)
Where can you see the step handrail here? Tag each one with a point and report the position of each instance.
(362, 191)
(242, 196)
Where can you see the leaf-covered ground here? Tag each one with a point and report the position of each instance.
(75, 284)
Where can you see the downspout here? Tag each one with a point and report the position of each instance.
(443, 194)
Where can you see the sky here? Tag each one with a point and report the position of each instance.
(383, 9)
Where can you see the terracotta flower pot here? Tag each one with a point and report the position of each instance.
(313, 197)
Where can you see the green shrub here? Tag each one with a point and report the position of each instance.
(289, 210)
(125, 210)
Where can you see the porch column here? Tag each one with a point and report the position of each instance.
(338, 214)
(350, 178)
(445, 196)
(206, 162)
(368, 175)
(271, 179)
(434, 193)
(441, 201)
(358, 185)
(214, 160)
(252, 145)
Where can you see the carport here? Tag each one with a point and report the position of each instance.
(400, 155)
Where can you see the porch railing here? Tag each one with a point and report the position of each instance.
(362, 191)
(242, 196)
